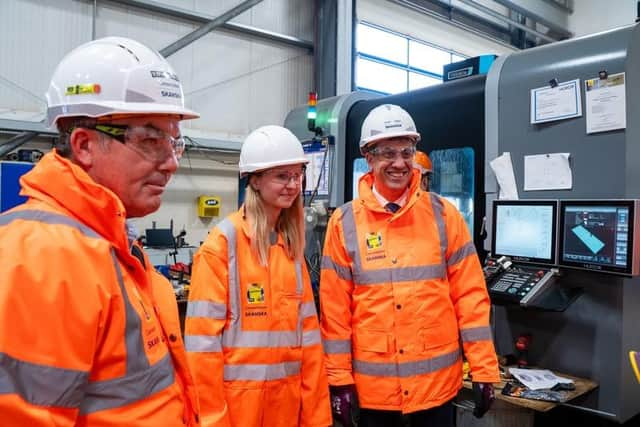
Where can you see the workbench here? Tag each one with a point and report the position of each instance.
(510, 411)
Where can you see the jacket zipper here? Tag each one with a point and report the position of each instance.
(144, 309)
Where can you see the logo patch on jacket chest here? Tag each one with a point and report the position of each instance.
(255, 294)
(374, 241)
(375, 249)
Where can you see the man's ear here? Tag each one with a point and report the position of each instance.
(369, 158)
(83, 143)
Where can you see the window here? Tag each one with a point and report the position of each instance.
(381, 77)
(389, 63)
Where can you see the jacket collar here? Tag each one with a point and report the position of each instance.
(368, 198)
(58, 182)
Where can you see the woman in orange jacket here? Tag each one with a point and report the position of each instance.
(252, 331)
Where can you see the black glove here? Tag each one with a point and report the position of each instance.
(483, 397)
(342, 401)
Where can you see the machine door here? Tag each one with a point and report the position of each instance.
(454, 179)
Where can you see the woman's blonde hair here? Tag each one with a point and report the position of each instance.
(290, 223)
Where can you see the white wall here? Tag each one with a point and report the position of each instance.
(426, 28)
(237, 83)
(594, 16)
(198, 176)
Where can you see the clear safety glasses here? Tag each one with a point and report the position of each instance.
(389, 153)
(148, 141)
(284, 177)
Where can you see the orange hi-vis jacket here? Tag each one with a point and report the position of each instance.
(398, 292)
(252, 335)
(89, 335)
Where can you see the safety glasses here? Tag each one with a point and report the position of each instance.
(148, 141)
(284, 177)
(389, 153)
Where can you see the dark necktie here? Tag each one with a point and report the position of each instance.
(392, 207)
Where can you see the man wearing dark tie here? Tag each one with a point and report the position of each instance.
(402, 292)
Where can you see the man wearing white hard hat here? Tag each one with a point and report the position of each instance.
(90, 333)
(401, 286)
(251, 329)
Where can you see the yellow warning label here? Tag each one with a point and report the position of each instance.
(83, 89)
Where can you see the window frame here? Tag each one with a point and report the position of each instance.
(407, 68)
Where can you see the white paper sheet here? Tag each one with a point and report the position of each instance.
(606, 103)
(503, 169)
(538, 379)
(556, 103)
(547, 172)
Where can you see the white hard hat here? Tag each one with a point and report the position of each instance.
(114, 75)
(387, 121)
(268, 147)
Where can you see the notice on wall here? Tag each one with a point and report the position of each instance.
(606, 103)
(556, 103)
(547, 172)
(317, 173)
(503, 169)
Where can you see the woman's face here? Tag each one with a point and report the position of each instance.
(279, 186)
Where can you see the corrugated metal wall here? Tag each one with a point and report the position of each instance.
(236, 82)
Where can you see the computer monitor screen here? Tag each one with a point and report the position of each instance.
(159, 238)
(525, 230)
(598, 235)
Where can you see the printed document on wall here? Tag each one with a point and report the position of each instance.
(547, 172)
(606, 103)
(556, 103)
(503, 169)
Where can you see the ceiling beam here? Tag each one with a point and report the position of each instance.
(201, 18)
(208, 27)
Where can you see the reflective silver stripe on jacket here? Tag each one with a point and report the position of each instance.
(234, 337)
(203, 343)
(406, 369)
(466, 250)
(337, 346)
(72, 388)
(396, 275)
(47, 218)
(436, 205)
(256, 372)
(341, 271)
(41, 385)
(136, 359)
(308, 309)
(131, 388)
(480, 333)
(209, 309)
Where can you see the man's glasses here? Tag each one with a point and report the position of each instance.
(148, 141)
(284, 177)
(389, 153)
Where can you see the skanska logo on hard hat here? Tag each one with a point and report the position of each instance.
(389, 124)
(164, 74)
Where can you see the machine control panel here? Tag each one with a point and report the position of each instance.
(508, 282)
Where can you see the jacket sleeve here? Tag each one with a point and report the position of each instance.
(52, 315)
(205, 320)
(336, 287)
(316, 409)
(470, 298)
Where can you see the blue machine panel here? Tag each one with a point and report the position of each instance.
(10, 173)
